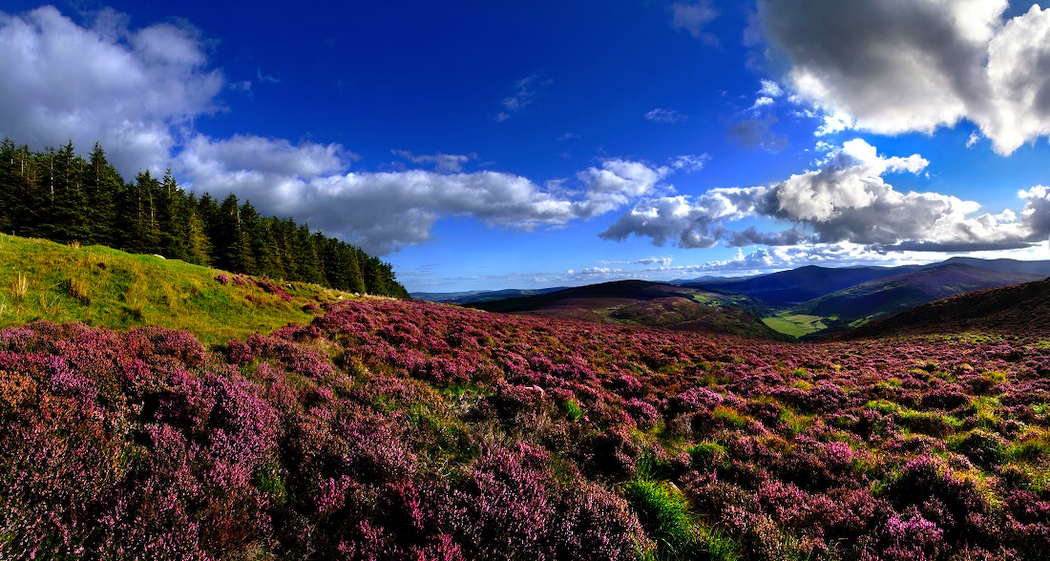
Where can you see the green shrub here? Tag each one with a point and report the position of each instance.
(572, 409)
(708, 454)
(664, 513)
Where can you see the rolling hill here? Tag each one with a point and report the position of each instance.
(645, 304)
(788, 288)
(853, 306)
(472, 296)
(98, 286)
(1022, 309)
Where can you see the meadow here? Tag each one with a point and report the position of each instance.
(387, 429)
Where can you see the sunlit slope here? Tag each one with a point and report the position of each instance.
(42, 280)
(857, 305)
(1019, 310)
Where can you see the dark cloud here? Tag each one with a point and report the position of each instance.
(758, 133)
(898, 67)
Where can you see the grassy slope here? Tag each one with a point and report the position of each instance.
(42, 280)
(795, 325)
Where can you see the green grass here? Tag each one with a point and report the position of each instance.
(665, 514)
(42, 280)
(795, 325)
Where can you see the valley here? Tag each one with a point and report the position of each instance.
(801, 303)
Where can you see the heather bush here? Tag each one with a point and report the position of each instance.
(401, 430)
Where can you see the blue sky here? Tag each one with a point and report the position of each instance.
(487, 145)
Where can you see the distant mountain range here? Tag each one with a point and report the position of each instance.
(645, 304)
(805, 302)
(480, 295)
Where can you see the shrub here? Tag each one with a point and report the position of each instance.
(664, 513)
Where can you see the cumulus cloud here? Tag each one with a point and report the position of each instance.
(847, 200)
(893, 67)
(770, 89)
(384, 211)
(128, 89)
(661, 115)
(615, 184)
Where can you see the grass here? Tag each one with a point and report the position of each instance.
(104, 287)
(795, 325)
(664, 513)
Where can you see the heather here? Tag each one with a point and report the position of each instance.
(402, 430)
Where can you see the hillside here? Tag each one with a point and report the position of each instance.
(393, 430)
(848, 308)
(788, 288)
(644, 304)
(63, 197)
(43, 280)
(1019, 310)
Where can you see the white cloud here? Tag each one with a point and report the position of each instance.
(525, 92)
(762, 102)
(594, 271)
(384, 211)
(444, 163)
(690, 162)
(659, 261)
(770, 89)
(661, 115)
(845, 201)
(693, 18)
(130, 90)
(835, 123)
(892, 67)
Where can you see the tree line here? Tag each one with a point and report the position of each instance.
(61, 196)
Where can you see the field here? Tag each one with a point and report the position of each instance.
(399, 430)
(795, 325)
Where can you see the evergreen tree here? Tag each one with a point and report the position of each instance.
(103, 185)
(137, 213)
(59, 195)
(69, 220)
(7, 184)
(195, 246)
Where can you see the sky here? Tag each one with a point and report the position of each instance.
(490, 145)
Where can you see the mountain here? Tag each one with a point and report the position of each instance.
(1022, 309)
(848, 308)
(1040, 268)
(472, 296)
(788, 288)
(646, 304)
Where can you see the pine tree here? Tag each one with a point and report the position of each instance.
(7, 184)
(103, 185)
(69, 220)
